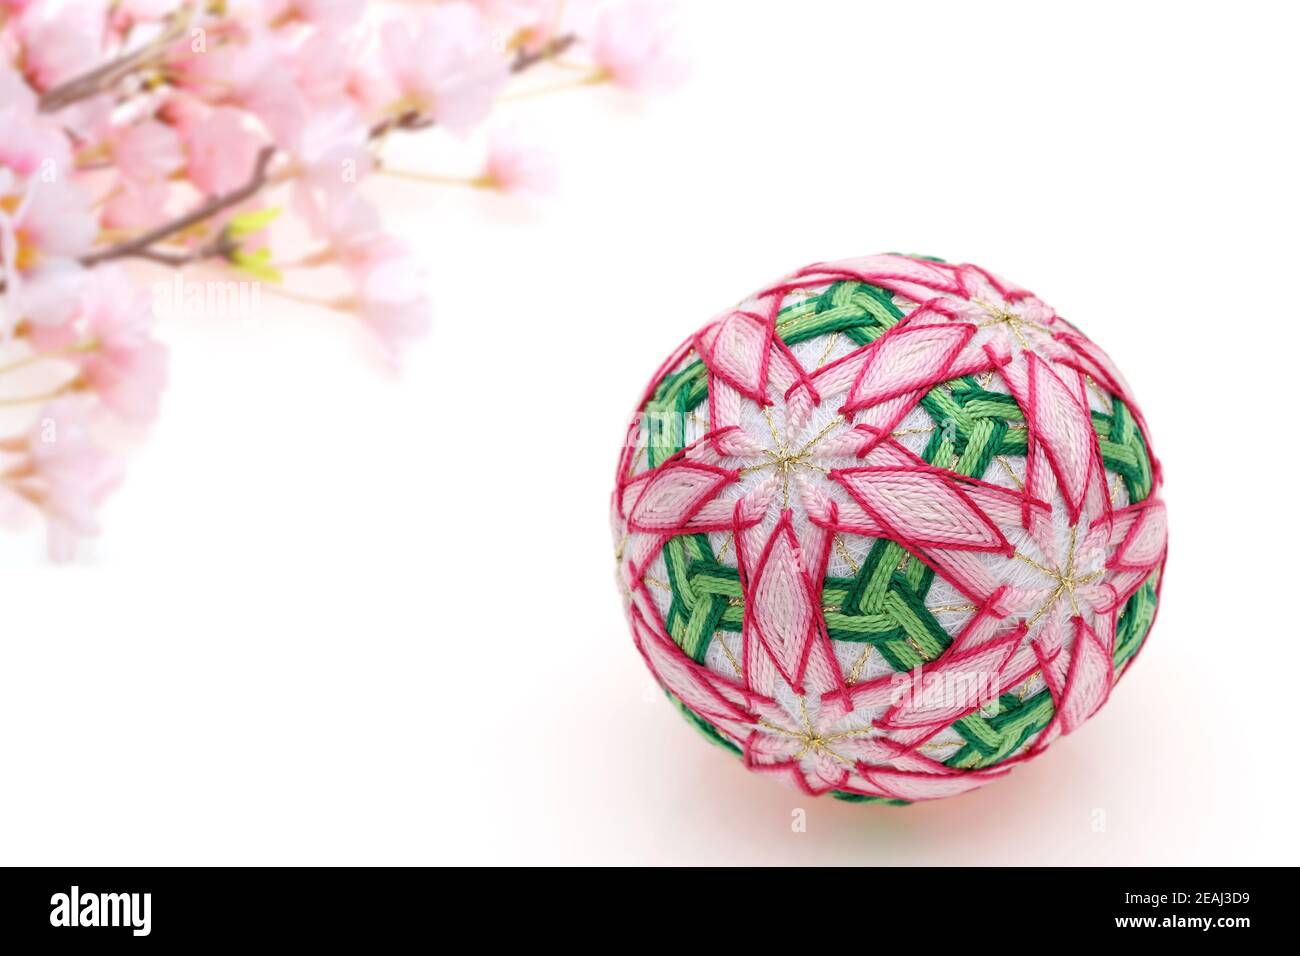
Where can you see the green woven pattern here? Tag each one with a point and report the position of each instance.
(1123, 450)
(861, 312)
(863, 798)
(1134, 622)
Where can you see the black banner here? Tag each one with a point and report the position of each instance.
(137, 907)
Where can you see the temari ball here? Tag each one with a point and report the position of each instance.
(888, 528)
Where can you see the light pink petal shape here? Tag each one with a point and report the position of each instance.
(1041, 485)
(1024, 601)
(984, 642)
(844, 516)
(966, 571)
(845, 444)
(722, 514)
(1004, 507)
(674, 492)
(878, 692)
(792, 772)
(737, 349)
(986, 624)
(916, 279)
(975, 277)
(734, 443)
(1049, 646)
(905, 359)
(784, 632)
(922, 507)
(708, 694)
(1060, 424)
(726, 408)
(954, 686)
(1144, 540)
(822, 770)
(1093, 361)
(761, 673)
(768, 747)
(1091, 674)
(785, 375)
(1140, 538)
(831, 380)
(780, 619)
(874, 425)
(924, 786)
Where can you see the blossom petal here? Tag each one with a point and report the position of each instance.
(922, 507)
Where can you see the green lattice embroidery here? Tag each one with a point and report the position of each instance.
(706, 595)
(1124, 450)
(863, 798)
(664, 418)
(862, 313)
(992, 739)
(1135, 622)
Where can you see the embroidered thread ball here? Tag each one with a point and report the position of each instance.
(888, 528)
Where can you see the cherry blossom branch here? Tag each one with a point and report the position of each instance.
(139, 245)
(524, 58)
(114, 71)
(182, 160)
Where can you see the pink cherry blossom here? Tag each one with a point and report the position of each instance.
(64, 472)
(119, 358)
(332, 160)
(536, 22)
(389, 284)
(222, 148)
(275, 99)
(321, 64)
(636, 45)
(233, 57)
(147, 152)
(28, 145)
(55, 220)
(15, 91)
(59, 40)
(135, 205)
(44, 228)
(445, 65)
(515, 167)
(390, 293)
(350, 225)
(181, 111)
(28, 141)
(246, 70)
(146, 155)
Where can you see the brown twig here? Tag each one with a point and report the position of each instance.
(413, 119)
(139, 245)
(524, 59)
(108, 74)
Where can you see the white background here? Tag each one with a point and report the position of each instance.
(338, 617)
